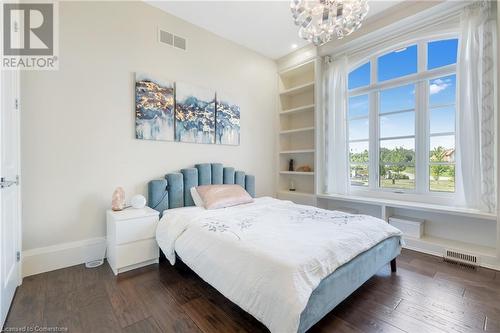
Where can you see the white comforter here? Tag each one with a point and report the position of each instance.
(268, 256)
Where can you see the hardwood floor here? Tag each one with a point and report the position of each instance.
(425, 295)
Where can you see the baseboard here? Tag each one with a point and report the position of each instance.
(45, 259)
(486, 261)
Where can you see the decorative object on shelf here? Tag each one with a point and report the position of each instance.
(138, 201)
(321, 20)
(290, 165)
(154, 108)
(291, 186)
(304, 168)
(118, 199)
(227, 121)
(194, 114)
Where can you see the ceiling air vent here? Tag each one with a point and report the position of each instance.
(170, 39)
(462, 259)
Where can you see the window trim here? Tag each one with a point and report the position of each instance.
(422, 134)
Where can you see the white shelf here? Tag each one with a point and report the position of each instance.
(304, 108)
(298, 89)
(298, 151)
(298, 70)
(298, 173)
(298, 130)
(412, 205)
(297, 119)
(297, 193)
(434, 244)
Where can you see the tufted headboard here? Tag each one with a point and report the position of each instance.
(174, 190)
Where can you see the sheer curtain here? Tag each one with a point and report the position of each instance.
(336, 155)
(476, 72)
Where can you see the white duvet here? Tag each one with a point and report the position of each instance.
(268, 256)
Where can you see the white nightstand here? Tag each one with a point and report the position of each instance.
(131, 238)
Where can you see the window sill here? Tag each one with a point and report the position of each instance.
(473, 213)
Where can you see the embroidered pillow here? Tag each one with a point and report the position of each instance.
(220, 196)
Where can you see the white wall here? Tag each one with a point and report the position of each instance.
(78, 122)
(380, 20)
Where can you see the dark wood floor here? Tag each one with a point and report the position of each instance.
(425, 295)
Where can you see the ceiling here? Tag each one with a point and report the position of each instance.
(263, 26)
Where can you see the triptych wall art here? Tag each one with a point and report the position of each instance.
(178, 111)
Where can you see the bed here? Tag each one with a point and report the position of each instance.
(288, 265)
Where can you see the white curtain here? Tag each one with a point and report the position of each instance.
(476, 73)
(336, 155)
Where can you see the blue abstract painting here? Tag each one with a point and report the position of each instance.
(154, 108)
(194, 114)
(227, 122)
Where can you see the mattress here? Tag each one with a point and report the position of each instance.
(270, 257)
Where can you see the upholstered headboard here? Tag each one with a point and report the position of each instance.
(174, 190)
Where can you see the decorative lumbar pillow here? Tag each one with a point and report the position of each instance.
(196, 197)
(220, 196)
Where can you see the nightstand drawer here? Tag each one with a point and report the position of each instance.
(135, 229)
(136, 252)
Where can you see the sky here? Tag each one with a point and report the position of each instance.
(393, 65)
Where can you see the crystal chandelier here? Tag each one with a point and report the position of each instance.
(320, 20)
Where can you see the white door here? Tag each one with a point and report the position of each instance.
(9, 190)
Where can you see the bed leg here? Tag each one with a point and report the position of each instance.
(393, 265)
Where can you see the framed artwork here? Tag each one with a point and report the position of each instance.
(227, 121)
(194, 114)
(154, 108)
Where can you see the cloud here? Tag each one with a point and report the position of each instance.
(438, 85)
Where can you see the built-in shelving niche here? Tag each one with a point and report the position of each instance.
(297, 130)
(446, 228)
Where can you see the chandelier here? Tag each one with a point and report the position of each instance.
(320, 20)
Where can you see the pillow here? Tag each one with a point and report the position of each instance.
(220, 196)
(196, 197)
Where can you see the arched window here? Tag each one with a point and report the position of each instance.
(401, 118)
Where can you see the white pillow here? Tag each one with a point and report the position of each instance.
(196, 197)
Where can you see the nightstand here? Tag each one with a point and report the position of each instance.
(131, 241)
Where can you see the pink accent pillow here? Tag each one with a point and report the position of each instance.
(220, 196)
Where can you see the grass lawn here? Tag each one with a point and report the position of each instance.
(443, 185)
(408, 184)
(404, 184)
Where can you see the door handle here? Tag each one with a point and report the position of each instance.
(8, 183)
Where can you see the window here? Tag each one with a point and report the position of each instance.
(442, 133)
(397, 137)
(401, 119)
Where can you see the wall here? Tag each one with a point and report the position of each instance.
(378, 21)
(394, 14)
(78, 122)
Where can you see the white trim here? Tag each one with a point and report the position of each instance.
(436, 247)
(19, 187)
(134, 266)
(45, 259)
